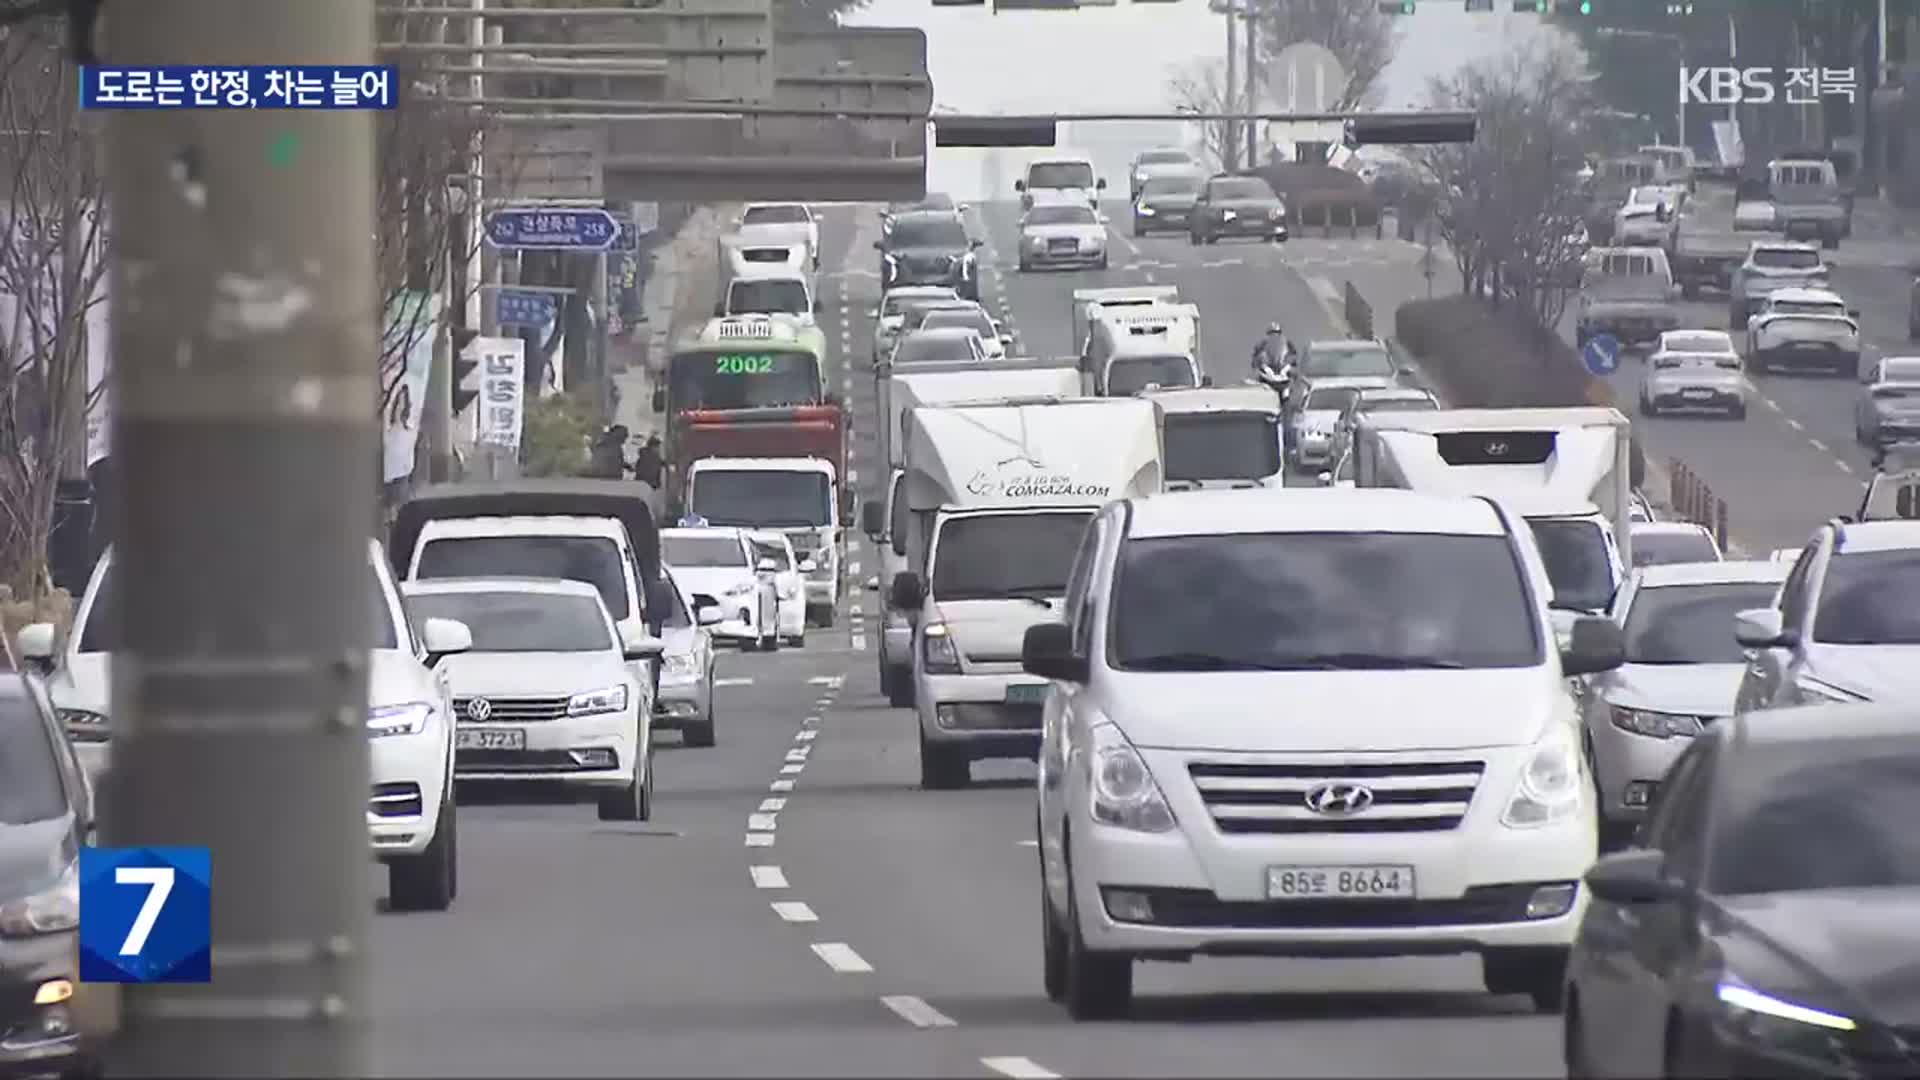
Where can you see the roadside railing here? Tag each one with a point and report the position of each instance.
(1694, 501)
(1358, 312)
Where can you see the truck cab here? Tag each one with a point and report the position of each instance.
(1627, 292)
(1808, 200)
(1130, 349)
(799, 497)
(1221, 437)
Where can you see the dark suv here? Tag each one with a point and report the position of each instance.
(1237, 206)
(929, 247)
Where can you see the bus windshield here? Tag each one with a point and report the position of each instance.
(746, 378)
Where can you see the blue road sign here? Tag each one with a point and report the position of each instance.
(556, 228)
(1601, 354)
(520, 307)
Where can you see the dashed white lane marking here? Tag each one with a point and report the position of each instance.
(1028, 843)
(794, 911)
(733, 682)
(792, 768)
(804, 736)
(772, 806)
(853, 567)
(854, 608)
(1844, 467)
(1820, 446)
(762, 822)
(853, 476)
(780, 785)
(759, 839)
(841, 957)
(1795, 424)
(916, 1011)
(859, 643)
(822, 680)
(1019, 1068)
(768, 877)
(797, 754)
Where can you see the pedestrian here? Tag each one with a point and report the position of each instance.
(649, 463)
(610, 454)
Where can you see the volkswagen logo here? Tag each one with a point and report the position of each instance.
(1496, 449)
(480, 708)
(1338, 799)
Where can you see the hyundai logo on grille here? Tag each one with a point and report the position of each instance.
(1338, 799)
(479, 709)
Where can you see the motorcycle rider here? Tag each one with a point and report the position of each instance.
(1273, 354)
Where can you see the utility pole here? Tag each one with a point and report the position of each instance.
(1230, 138)
(1253, 85)
(245, 402)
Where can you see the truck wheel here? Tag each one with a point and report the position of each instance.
(1690, 290)
(942, 769)
(1539, 972)
(899, 687)
(1737, 317)
(1830, 241)
(425, 882)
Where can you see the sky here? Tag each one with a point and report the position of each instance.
(1121, 57)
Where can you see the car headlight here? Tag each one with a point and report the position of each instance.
(741, 588)
(937, 650)
(595, 702)
(1228, 215)
(1655, 725)
(1549, 788)
(49, 911)
(405, 719)
(1783, 1026)
(85, 725)
(1278, 213)
(1121, 789)
(1139, 178)
(1146, 211)
(677, 664)
(1813, 691)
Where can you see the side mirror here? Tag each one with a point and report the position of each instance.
(873, 518)
(1634, 877)
(1100, 184)
(1020, 185)
(710, 615)
(659, 399)
(443, 638)
(1762, 628)
(975, 244)
(1853, 313)
(1593, 645)
(873, 312)
(767, 566)
(1405, 371)
(1206, 380)
(879, 245)
(818, 307)
(808, 566)
(1047, 651)
(35, 644)
(637, 644)
(908, 591)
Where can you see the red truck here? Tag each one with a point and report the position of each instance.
(749, 387)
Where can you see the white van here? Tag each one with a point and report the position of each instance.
(772, 290)
(1063, 177)
(799, 497)
(1130, 349)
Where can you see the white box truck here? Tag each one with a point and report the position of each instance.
(798, 496)
(1085, 301)
(1567, 471)
(997, 498)
(1221, 437)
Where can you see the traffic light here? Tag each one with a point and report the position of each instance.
(993, 131)
(1410, 129)
(465, 365)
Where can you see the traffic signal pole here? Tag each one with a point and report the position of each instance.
(245, 398)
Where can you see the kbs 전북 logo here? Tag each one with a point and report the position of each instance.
(146, 914)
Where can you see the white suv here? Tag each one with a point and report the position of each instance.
(1310, 721)
(410, 814)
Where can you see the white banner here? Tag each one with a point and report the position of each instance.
(407, 351)
(503, 390)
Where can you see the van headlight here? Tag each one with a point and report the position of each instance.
(938, 652)
(1549, 789)
(595, 702)
(407, 719)
(50, 911)
(677, 665)
(1121, 789)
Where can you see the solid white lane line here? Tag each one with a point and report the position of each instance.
(759, 839)
(805, 736)
(841, 957)
(1019, 1068)
(1028, 843)
(768, 877)
(794, 911)
(733, 682)
(792, 768)
(762, 822)
(821, 680)
(916, 1011)
(772, 806)
(780, 785)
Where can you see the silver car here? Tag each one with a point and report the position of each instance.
(1694, 371)
(1658, 543)
(684, 702)
(1682, 670)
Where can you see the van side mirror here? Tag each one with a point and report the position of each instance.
(659, 601)
(1593, 645)
(879, 245)
(1634, 877)
(808, 566)
(1100, 184)
(637, 644)
(766, 566)
(720, 309)
(975, 244)
(1021, 185)
(873, 518)
(1047, 651)
(711, 615)
(908, 591)
(1763, 628)
(442, 638)
(659, 399)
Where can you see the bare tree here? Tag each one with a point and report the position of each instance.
(1506, 204)
(53, 234)
(1200, 86)
(1356, 31)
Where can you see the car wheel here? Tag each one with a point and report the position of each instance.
(425, 882)
(900, 687)
(1212, 239)
(1574, 1045)
(1193, 238)
(701, 734)
(1138, 231)
(799, 639)
(1738, 412)
(635, 801)
(1539, 972)
(1053, 945)
(1913, 331)
(1102, 264)
(1099, 985)
(1647, 407)
(943, 768)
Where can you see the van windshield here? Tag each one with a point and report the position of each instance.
(761, 498)
(1786, 259)
(1578, 565)
(1222, 446)
(1129, 375)
(767, 296)
(971, 556)
(1060, 174)
(595, 560)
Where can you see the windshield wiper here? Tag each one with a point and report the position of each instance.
(1364, 661)
(1039, 594)
(1202, 661)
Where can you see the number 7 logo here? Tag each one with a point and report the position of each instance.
(159, 883)
(146, 914)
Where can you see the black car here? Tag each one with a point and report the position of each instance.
(45, 817)
(929, 247)
(1764, 922)
(1164, 203)
(1237, 206)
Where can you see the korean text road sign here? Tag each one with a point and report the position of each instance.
(552, 229)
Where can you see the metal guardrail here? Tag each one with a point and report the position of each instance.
(1694, 501)
(1358, 312)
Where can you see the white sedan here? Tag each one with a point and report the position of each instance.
(973, 317)
(546, 693)
(1694, 370)
(773, 558)
(1063, 234)
(410, 814)
(891, 313)
(719, 563)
